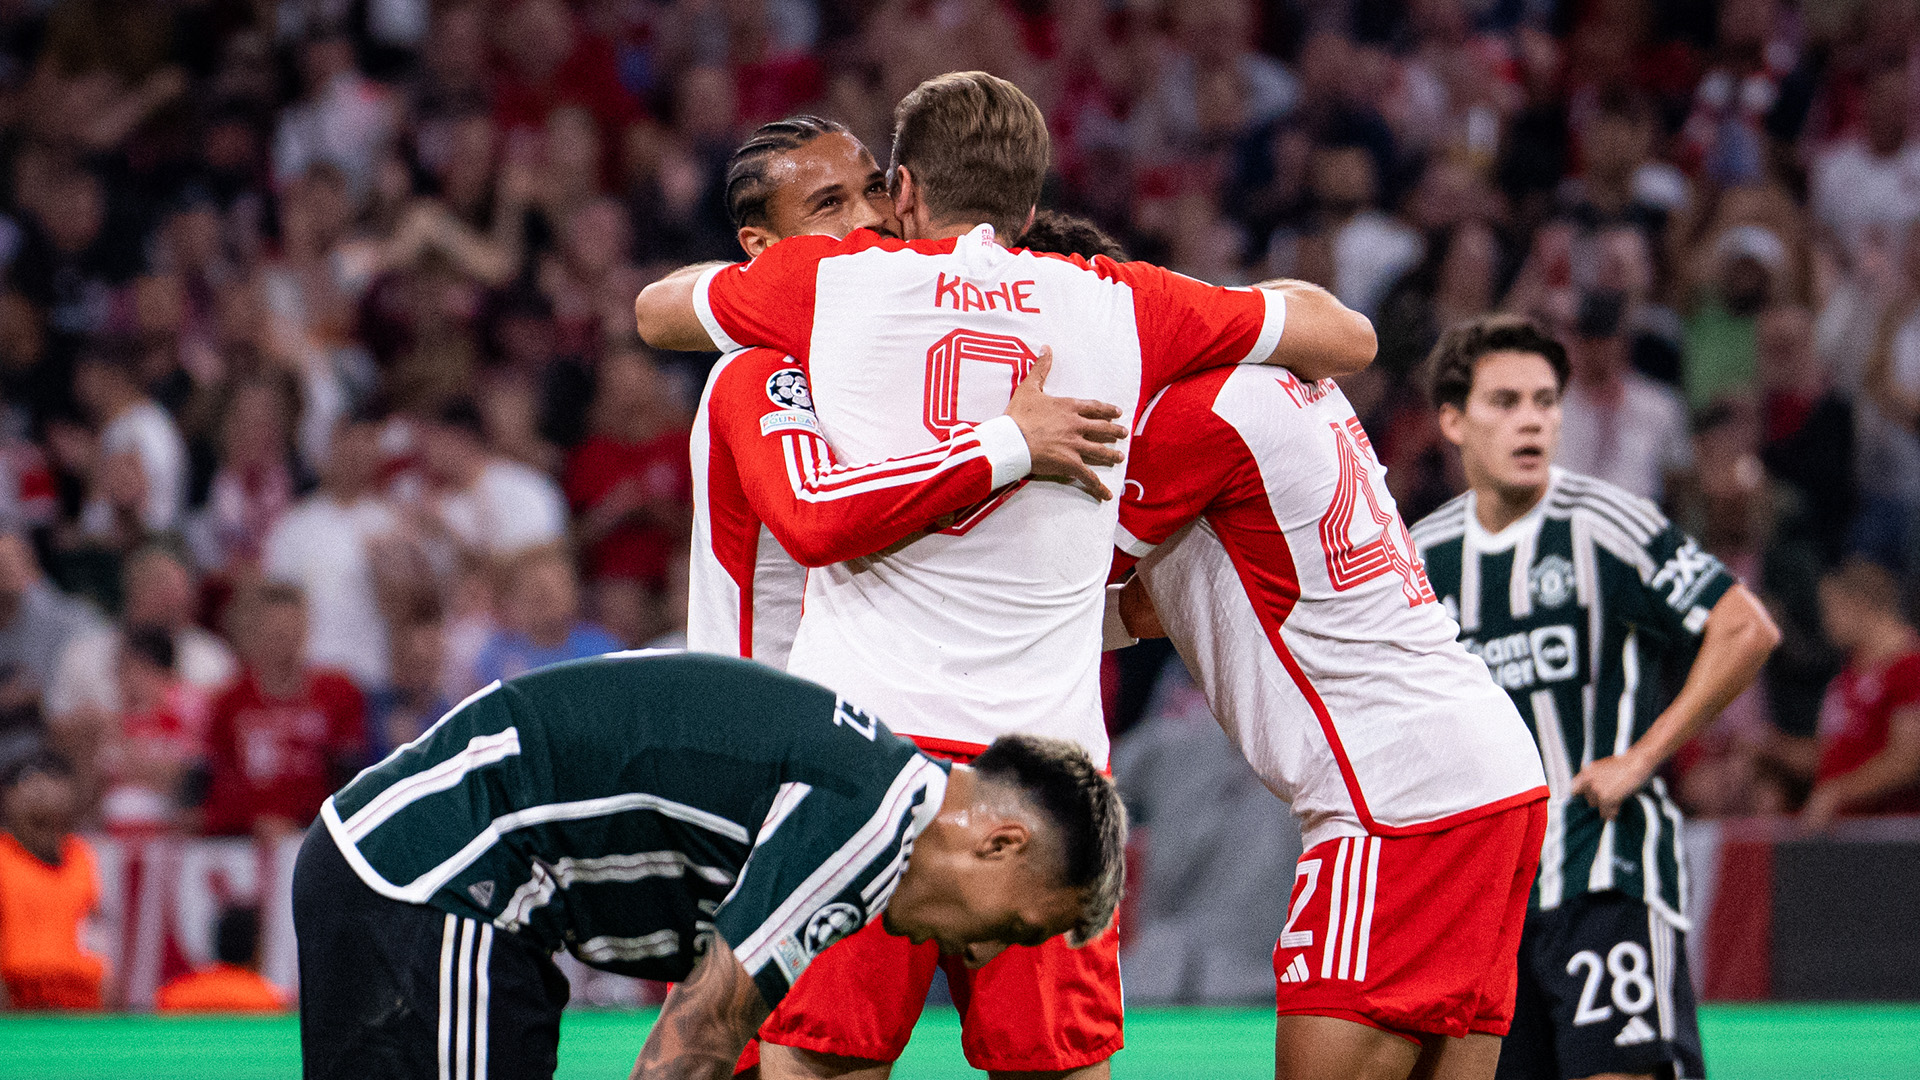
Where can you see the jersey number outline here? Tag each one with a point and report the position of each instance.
(1351, 565)
(941, 403)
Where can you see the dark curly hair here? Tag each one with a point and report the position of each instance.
(1451, 364)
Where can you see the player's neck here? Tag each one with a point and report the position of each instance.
(1889, 638)
(1497, 507)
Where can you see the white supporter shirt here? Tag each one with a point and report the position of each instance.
(510, 508)
(1298, 600)
(324, 547)
(992, 625)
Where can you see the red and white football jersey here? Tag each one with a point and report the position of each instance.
(770, 500)
(993, 624)
(1298, 600)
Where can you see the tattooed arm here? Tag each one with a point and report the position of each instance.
(705, 1023)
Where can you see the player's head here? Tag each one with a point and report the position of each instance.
(805, 176)
(1065, 234)
(39, 801)
(1858, 600)
(1497, 382)
(1030, 843)
(968, 147)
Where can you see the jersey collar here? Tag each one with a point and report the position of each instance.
(1479, 539)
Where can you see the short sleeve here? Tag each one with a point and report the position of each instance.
(767, 302)
(1686, 582)
(1181, 459)
(1187, 325)
(825, 864)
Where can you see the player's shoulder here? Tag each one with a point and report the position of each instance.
(1604, 505)
(1184, 401)
(1445, 525)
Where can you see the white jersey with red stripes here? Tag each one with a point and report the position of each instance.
(992, 624)
(770, 500)
(1279, 566)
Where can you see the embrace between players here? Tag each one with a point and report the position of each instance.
(866, 521)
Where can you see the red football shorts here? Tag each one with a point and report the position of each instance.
(1048, 1007)
(1418, 935)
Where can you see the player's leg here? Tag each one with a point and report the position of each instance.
(1046, 1012)
(1619, 1005)
(1308, 1047)
(851, 1012)
(1474, 1057)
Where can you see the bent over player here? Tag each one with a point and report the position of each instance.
(1581, 597)
(1275, 559)
(670, 816)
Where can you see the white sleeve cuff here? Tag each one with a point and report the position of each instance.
(703, 307)
(1006, 449)
(1113, 629)
(1130, 543)
(1270, 330)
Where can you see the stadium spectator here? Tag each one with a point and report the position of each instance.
(1863, 187)
(629, 483)
(285, 734)
(37, 622)
(327, 545)
(140, 483)
(415, 696)
(254, 483)
(232, 983)
(542, 623)
(146, 759)
(1618, 424)
(481, 502)
(1870, 731)
(49, 889)
(159, 592)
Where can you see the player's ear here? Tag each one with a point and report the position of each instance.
(906, 196)
(1453, 424)
(1006, 839)
(755, 239)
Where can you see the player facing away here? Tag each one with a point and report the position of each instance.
(1274, 557)
(993, 623)
(1581, 598)
(770, 497)
(672, 816)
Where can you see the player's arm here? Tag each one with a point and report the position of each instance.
(1738, 637)
(823, 511)
(1895, 767)
(706, 1021)
(666, 313)
(1323, 338)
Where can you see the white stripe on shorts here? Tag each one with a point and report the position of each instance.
(446, 996)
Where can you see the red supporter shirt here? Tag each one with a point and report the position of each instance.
(271, 756)
(771, 499)
(1855, 721)
(657, 467)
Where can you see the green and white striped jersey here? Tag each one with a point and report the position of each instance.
(1580, 610)
(625, 806)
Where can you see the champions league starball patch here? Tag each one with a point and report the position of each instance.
(828, 925)
(788, 389)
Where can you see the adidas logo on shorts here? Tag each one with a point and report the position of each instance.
(1296, 971)
(1636, 1032)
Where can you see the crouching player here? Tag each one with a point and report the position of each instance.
(689, 818)
(1271, 553)
(1579, 596)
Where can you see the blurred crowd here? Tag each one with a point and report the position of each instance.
(321, 405)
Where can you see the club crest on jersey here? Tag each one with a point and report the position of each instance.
(1551, 581)
(828, 925)
(788, 389)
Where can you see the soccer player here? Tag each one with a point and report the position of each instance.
(770, 498)
(1270, 551)
(683, 817)
(1581, 599)
(993, 623)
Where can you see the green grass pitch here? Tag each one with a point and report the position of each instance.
(1744, 1042)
